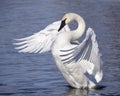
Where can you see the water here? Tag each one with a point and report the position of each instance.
(37, 75)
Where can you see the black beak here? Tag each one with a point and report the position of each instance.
(62, 25)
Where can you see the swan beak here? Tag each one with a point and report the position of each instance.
(62, 25)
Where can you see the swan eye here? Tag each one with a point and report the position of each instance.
(64, 20)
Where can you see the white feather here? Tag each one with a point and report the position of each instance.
(41, 41)
(87, 55)
(73, 59)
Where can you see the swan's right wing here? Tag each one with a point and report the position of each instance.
(40, 42)
(87, 54)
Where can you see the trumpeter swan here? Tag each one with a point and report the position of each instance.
(79, 63)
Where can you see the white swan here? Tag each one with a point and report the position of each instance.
(79, 63)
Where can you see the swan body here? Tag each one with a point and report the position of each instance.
(79, 63)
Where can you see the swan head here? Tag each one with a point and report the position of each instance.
(68, 17)
(65, 20)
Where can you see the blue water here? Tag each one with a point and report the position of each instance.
(36, 74)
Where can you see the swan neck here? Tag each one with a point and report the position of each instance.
(76, 34)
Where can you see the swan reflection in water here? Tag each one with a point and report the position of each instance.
(82, 92)
(77, 92)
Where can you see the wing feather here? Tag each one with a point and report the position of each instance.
(41, 41)
(87, 53)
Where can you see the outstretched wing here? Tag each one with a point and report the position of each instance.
(87, 53)
(40, 42)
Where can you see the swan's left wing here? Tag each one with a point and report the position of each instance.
(87, 53)
(41, 41)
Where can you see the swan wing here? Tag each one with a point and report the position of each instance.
(87, 54)
(41, 41)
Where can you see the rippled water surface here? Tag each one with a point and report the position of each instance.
(37, 75)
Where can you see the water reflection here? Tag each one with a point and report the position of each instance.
(76, 92)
